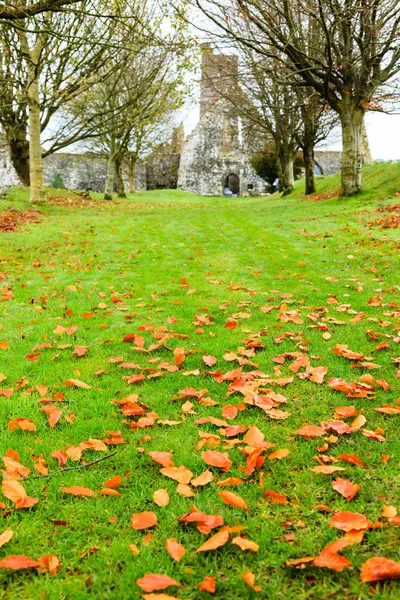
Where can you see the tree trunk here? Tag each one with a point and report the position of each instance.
(288, 179)
(351, 178)
(119, 178)
(109, 188)
(19, 154)
(132, 166)
(308, 156)
(37, 191)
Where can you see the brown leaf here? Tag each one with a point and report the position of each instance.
(174, 549)
(49, 563)
(143, 521)
(332, 561)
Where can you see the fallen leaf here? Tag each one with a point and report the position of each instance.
(245, 544)
(346, 488)
(153, 581)
(161, 497)
(17, 561)
(347, 521)
(202, 479)
(6, 536)
(76, 490)
(207, 585)
(174, 549)
(249, 578)
(143, 521)
(377, 568)
(214, 542)
(233, 499)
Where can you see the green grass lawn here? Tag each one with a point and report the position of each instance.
(165, 263)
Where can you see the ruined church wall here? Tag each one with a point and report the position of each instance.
(204, 167)
(77, 171)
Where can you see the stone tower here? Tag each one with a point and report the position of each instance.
(219, 78)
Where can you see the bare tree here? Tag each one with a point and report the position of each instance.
(355, 54)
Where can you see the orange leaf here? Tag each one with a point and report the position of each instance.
(310, 431)
(331, 560)
(53, 414)
(109, 492)
(207, 585)
(161, 497)
(245, 544)
(209, 360)
(346, 488)
(6, 536)
(152, 581)
(233, 499)
(162, 458)
(278, 454)
(352, 459)
(249, 579)
(180, 474)
(327, 469)
(275, 497)
(143, 521)
(61, 456)
(14, 491)
(214, 458)
(174, 549)
(16, 561)
(114, 482)
(24, 424)
(377, 568)
(76, 490)
(347, 521)
(214, 542)
(49, 563)
(77, 383)
(203, 479)
(185, 490)
(229, 411)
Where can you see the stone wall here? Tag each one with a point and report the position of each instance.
(329, 161)
(76, 171)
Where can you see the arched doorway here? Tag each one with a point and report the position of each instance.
(232, 183)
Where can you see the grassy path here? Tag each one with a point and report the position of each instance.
(168, 263)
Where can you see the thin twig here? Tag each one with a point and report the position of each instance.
(78, 467)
